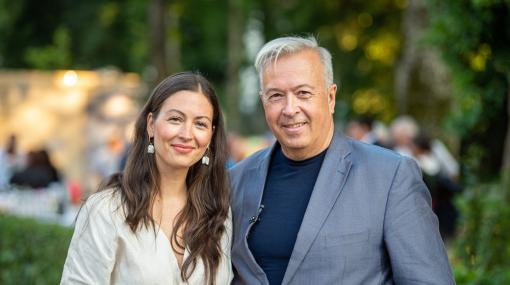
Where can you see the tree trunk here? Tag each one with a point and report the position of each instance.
(157, 24)
(412, 27)
(235, 59)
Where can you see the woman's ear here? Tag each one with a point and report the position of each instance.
(150, 125)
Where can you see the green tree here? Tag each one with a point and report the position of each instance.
(364, 38)
(474, 37)
(73, 34)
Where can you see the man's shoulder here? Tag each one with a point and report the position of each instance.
(250, 161)
(374, 154)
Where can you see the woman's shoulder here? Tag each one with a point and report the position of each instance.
(104, 203)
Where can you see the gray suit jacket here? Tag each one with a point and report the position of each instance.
(369, 221)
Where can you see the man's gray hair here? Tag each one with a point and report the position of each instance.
(270, 52)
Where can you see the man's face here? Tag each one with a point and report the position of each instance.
(297, 103)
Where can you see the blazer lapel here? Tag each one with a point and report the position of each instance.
(255, 185)
(327, 189)
(252, 199)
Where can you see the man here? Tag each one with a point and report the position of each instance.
(318, 208)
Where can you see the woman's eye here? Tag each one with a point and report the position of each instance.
(202, 125)
(175, 119)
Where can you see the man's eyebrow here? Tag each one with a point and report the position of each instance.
(293, 88)
(303, 85)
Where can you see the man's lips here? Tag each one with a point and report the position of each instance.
(182, 148)
(293, 126)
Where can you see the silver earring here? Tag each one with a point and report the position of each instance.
(150, 147)
(205, 158)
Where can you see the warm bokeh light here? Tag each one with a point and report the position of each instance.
(383, 48)
(348, 42)
(117, 106)
(478, 60)
(70, 78)
(369, 101)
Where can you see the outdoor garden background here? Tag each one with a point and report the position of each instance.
(73, 75)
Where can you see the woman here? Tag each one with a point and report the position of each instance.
(166, 220)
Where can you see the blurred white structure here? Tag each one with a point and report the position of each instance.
(79, 116)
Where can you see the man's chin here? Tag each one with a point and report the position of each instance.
(293, 143)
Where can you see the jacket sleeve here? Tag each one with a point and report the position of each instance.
(411, 232)
(91, 254)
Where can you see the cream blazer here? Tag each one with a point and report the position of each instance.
(104, 250)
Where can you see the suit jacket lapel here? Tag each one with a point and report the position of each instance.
(252, 199)
(326, 191)
(255, 184)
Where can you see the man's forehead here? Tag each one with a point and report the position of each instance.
(292, 71)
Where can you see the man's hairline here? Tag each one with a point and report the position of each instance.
(273, 60)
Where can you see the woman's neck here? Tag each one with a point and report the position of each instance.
(173, 185)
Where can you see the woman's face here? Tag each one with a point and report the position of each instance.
(182, 131)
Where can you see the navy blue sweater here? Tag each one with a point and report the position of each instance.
(288, 188)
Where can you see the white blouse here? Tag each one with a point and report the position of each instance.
(104, 250)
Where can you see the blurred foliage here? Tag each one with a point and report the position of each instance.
(363, 36)
(31, 252)
(482, 253)
(73, 34)
(473, 37)
(365, 41)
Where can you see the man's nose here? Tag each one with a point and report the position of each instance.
(291, 105)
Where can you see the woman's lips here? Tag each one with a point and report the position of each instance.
(182, 148)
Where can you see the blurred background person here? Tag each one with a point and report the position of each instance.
(236, 149)
(362, 129)
(107, 158)
(442, 188)
(11, 161)
(448, 165)
(403, 130)
(39, 172)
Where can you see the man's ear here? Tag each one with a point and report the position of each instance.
(332, 98)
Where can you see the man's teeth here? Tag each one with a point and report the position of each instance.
(295, 125)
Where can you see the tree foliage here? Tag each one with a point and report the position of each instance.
(73, 34)
(473, 37)
(362, 35)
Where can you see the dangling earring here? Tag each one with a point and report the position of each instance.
(150, 147)
(205, 158)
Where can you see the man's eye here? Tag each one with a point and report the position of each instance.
(304, 93)
(275, 96)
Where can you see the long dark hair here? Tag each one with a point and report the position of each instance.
(202, 218)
